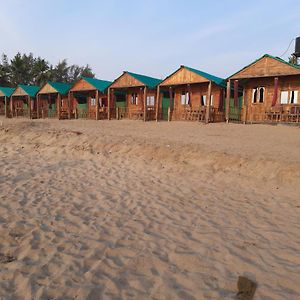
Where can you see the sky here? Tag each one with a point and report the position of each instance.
(150, 37)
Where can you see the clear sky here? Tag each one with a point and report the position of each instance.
(149, 37)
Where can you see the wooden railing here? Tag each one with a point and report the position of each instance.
(280, 115)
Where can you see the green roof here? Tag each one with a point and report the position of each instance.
(150, 82)
(100, 85)
(270, 56)
(30, 90)
(60, 87)
(6, 91)
(217, 80)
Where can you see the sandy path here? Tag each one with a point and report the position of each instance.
(128, 210)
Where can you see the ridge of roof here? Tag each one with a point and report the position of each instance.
(217, 80)
(100, 85)
(266, 55)
(7, 91)
(150, 82)
(30, 90)
(61, 87)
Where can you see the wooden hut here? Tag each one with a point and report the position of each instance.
(271, 88)
(133, 96)
(52, 100)
(5, 93)
(88, 99)
(184, 96)
(22, 101)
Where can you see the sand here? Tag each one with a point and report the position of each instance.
(127, 210)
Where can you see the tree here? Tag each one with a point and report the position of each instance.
(27, 69)
(4, 71)
(293, 60)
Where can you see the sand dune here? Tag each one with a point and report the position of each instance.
(127, 210)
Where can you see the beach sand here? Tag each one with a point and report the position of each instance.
(133, 210)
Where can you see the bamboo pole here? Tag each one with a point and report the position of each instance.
(29, 106)
(207, 112)
(245, 106)
(58, 100)
(200, 107)
(69, 105)
(171, 104)
(5, 106)
(11, 106)
(227, 101)
(145, 104)
(157, 102)
(108, 104)
(97, 105)
(37, 106)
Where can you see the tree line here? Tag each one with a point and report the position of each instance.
(27, 69)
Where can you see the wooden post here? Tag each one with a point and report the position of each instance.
(29, 106)
(69, 105)
(227, 101)
(145, 104)
(117, 113)
(97, 105)
(11, 106)
(208, 99)
(108, 103)
(37, 106)
(245, 106)
(236, 93)
(157, 102)
(58, 100)
(5, 106)
(171, 106)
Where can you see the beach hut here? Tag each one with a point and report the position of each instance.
(88, 99)
(133, 96)
(5, 93)
(191, 95)
(271, 91)
(22, 101)
(52, 100)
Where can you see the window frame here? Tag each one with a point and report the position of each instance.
(148, 100)
(257, 90)
(186, 97)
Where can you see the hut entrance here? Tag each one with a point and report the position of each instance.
(81, 106)
(165, 107)
(121, 107)
(20, 107)
(52, 110)
(235, 110)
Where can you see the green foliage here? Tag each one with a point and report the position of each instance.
(293, 60)
(27, 69)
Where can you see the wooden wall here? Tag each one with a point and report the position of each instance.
(183, 76)
(126, 81)
(196, 92)
(286, 83)
(266, 67)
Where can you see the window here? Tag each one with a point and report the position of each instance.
(261, 95)
(93, 101)
(289, 97)
(150, 100)
(254, 95)
(258, 95)
(284, 97)
(203, 100)
(294, 97)
(134, 99)
(185, 98)
(211, 100)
